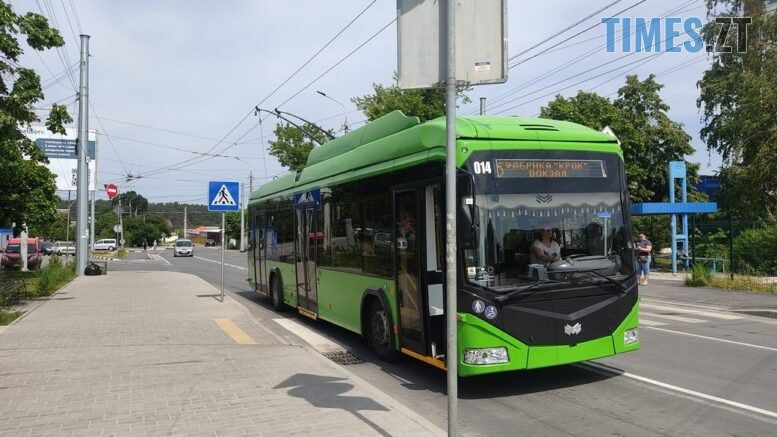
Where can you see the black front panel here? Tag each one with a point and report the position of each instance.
(551, 317)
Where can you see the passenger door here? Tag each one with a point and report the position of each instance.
(307, 247)
(407, 268)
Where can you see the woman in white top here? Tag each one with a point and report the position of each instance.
(545, 250)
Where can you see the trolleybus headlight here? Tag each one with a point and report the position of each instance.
(630, 336)
(496, 355)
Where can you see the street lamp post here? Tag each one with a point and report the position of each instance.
(345, 121)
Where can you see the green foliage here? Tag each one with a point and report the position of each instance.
(146, 228)
(233, 225)
(700, 276)
(27, 190)
(755, 249)
(292, 145)
(54, 276)
(743, 283)
(737, 100)
(6, 317)
(648, 137)
(426, 104)
(131, 202)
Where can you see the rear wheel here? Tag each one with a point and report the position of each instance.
(380, 335)
(111, 248)
(276, 297)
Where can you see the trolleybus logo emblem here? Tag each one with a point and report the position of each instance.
(573, 330)
(544, 198)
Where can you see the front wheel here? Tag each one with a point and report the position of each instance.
(380, 336)
(111, 248)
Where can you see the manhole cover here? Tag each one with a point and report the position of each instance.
(343, 358)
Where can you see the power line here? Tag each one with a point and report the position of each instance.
(110, 141)
(582, 20)
(340, 61)
(242, 120)
(573, 36)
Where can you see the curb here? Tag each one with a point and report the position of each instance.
(40, 302)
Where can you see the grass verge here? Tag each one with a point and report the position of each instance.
(701, 277)
(6, 316)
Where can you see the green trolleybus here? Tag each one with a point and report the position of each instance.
(545, 262)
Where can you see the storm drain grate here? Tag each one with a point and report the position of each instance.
(343, 358)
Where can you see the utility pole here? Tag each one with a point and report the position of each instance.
(482, 106)
(185, 224)
(242, 217)
(94, 194)
(82, 194)
(451, 310)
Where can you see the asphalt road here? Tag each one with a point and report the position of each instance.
(701, 370)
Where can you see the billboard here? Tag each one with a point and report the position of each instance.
(61, 151)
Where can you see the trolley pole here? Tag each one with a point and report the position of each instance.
(451, 354)
(223, 243)
(82, 193)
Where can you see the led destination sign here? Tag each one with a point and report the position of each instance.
(550, 168)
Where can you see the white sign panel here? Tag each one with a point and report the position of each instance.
(61, 151)
(481, 42)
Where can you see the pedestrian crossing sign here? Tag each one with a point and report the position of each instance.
(223, 196)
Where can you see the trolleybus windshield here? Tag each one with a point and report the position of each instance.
(542, 215)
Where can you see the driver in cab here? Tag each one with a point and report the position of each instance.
(544, 250)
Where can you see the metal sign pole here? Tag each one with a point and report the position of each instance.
(223, 242)
(451, 354)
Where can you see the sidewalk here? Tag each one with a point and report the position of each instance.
(671, 289)
(154, 353)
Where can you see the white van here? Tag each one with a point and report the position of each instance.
(105, 244)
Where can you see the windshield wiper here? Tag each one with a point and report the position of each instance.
(619, 284)
(521, 290)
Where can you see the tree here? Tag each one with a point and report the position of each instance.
(132, 202)
(146, 228)
(426, 104)
(27, 189)
(738, 101)
(292, 145)
(639, 118)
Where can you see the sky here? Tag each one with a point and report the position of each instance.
(170, 81)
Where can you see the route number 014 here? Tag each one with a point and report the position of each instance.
(482, 167)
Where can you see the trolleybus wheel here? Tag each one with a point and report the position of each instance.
(275, 294)
(380, 332)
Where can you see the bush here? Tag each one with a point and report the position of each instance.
(755, 249)
(53, 276)
(700, 276)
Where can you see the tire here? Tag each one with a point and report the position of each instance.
(111, 249)
(59, 253)
(175, 255)
(276, 297)
(379, 332)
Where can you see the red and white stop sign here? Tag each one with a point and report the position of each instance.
(111, 190)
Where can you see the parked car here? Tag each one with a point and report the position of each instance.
(105, 244)
(47, 247)
(210, 242)
(64, 248)
(183, 248)
(12, 257)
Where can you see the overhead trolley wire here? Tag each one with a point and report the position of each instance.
(569, 63)
(193, 161)
(582, 20)
(573, 36)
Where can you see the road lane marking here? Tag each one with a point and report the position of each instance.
(234, 331)
(159, 257)
(714, 338)
(318, 341)
(671, 317)
(607, 370)
(650, 322)
(691, 311)
(219, 262)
